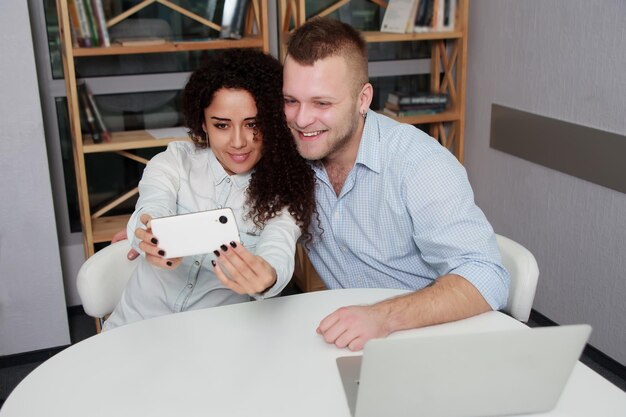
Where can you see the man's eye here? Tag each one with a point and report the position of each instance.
(322, 104)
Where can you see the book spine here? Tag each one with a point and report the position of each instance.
(84, 23)
(97, 115)
(93, 27)
(74, 24)
(91, 121)
(103, 31)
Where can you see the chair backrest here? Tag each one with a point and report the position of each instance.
(522, 267)
(102, 278)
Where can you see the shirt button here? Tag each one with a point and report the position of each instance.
(219, 206)
(189, 285)
(228, 180)
(197, 263)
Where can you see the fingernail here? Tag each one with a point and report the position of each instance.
(161, 252)
(224, 248)
(169, 263)
(216, 253)
(154, 241)
(212, 262)
(233, 244)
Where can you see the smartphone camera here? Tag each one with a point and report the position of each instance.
(223, 219)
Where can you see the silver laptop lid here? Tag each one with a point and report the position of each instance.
(466, 375)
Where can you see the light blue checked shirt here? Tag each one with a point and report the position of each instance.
(405, 216)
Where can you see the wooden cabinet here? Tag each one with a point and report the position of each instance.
(448, 57)
(98, 225)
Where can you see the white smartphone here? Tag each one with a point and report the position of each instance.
(195, 233)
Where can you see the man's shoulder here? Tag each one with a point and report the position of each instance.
(403, 141)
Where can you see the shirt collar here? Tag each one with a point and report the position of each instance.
(369, 154)
(220, 175)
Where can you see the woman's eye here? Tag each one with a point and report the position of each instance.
(251, 125)
(221, 125)
(290, 101)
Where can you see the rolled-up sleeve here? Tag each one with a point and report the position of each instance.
(451, 232)
(277, 245)
(158, 191)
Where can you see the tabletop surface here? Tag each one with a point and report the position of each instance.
(261, 358)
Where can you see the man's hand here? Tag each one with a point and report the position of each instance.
(241, 271)
(149, 244)
(353, 326)
(121, 235)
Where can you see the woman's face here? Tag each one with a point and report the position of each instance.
(230, 123)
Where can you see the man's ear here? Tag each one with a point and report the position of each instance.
(365, 97)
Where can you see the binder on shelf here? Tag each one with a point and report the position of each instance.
(234, 19)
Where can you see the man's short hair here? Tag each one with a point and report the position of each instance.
(323, 37)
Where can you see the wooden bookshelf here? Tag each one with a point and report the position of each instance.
(99, 225)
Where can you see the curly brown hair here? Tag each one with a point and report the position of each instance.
(282, 178)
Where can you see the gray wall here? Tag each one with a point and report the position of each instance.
(32, 304)
(565, 60)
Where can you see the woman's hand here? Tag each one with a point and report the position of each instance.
(149, 244)
(241, 271)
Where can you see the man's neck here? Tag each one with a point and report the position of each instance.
(340, 162)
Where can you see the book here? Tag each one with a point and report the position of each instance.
(93, 28)
(74, 24)
(140, 41)
(101, 24)
(97, 115)
(415, 112)
(400, 98)
(399, 16)
(234, 19)
(92, 126)
(411, 107)
(84, 39)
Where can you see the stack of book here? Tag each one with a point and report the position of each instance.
(88, 23)
(411, 104)
(94, 123)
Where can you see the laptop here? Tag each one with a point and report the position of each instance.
(463, 375)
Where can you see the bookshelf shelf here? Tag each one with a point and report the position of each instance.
(131, 139)
(99, 225)
(179, 46)
(410, 37)
(106, 226)
(447, 76)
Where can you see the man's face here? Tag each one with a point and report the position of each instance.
(321, 107)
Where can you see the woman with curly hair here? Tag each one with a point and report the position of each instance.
(242, 156)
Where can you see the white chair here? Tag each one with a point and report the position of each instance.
(102, 278)
(524, 272)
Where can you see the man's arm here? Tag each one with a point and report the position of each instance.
(449, 298)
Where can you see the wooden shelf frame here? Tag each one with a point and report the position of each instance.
(99, 227)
